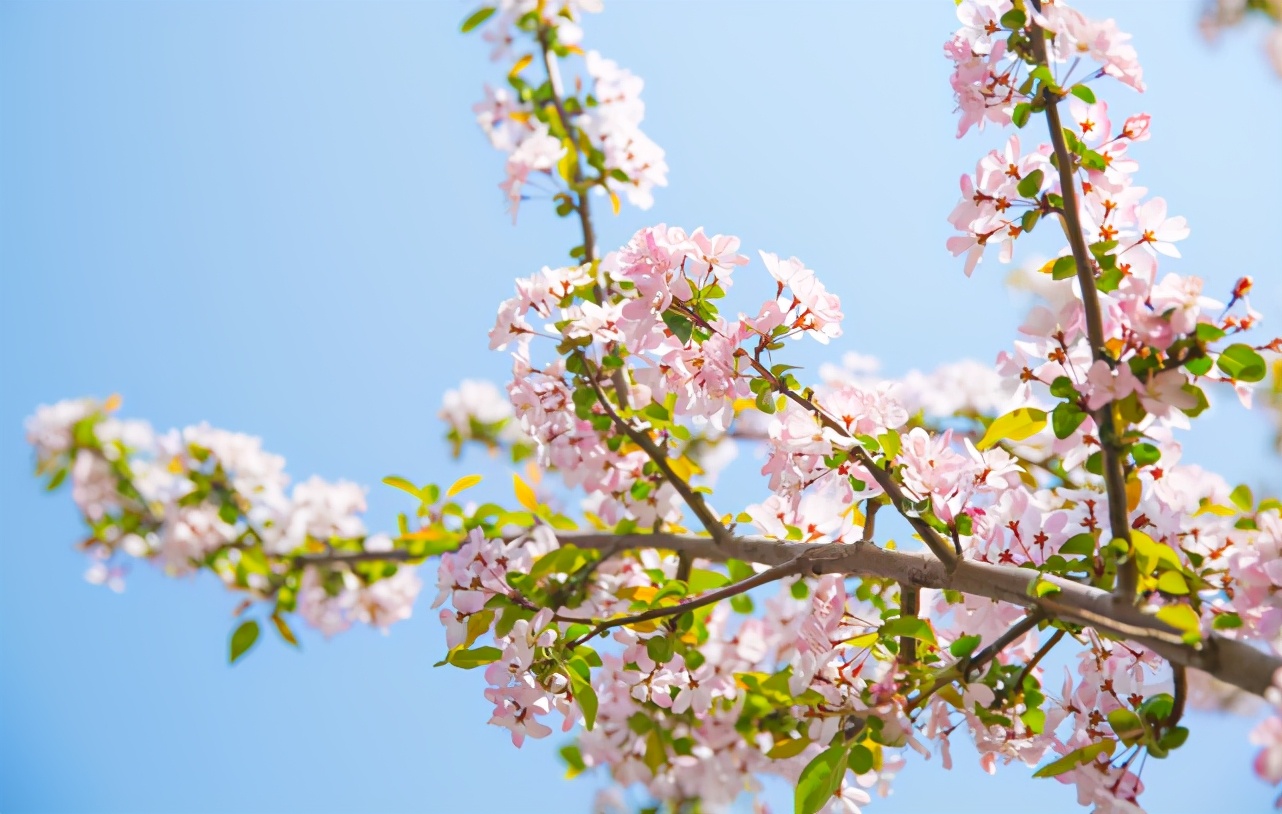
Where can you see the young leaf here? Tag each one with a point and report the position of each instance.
(524, 493)
(282, 627)
(242, 639)
(820, 779)
(465, 482)
(1241, 363)
(910, 626)
(1077, 757)
(476, 18)
(1015, 426)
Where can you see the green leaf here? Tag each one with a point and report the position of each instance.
(910, 626)
(573, 758)
(1016, 425)
(1082, 544)
(1065, 419)
(1063, 388)
(681, 327)
(1174, 738)
(476, 657)
(57, 479)
(583, 694)
(1200, 366)
(1241, 363)
(1042, 588)
(860, 760)
(1084, 93)
(1242, 498)
(1227, 621)
(1014, 19)
(785, 748)
(659, 648)
(1127, 726)
(1145, 454)
(820, 779)
(476, 18)
(1020, 115)
(1029, 219)
(1064, 268)
(964, 646)
(242, 639)
(1031, 184)
(1077, 757)
(1034, 719)
(1209, 332)
(890, 443)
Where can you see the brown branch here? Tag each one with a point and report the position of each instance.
(1070, 221)
(693, 499)
(909, 605)
(1181, 678)
(937, 545)
(795, 566)
(1234, 662)
(1018, 684)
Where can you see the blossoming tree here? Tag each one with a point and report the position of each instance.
(695, 644)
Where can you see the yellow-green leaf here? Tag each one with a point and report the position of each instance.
(1151, 555)
(1016, 425)
(521, 64)
(1182, 618)
(282, 627)
(397, 482)
(465, 482)
(524, 493)
(1077, 757)
(788, 747)
(1173, 582)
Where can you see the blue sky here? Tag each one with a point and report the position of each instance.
(280, 218)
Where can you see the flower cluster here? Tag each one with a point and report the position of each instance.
(590, 138)
(205, 498)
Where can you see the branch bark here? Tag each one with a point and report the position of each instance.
(1233, 662)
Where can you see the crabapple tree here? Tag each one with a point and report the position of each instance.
(694, 644)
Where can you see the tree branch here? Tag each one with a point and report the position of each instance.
(961, 670)
(1071, 222)
(1231, 661)
(693, 499)
(938, 546)
(790, 568)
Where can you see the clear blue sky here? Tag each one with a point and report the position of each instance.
(280, 218)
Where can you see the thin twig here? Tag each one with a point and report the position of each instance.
(795, 566)
(692, 498)
(965, 666)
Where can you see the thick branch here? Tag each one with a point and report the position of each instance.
(1070, 217)
(1233, 662)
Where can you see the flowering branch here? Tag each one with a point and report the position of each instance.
(1114, 477)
